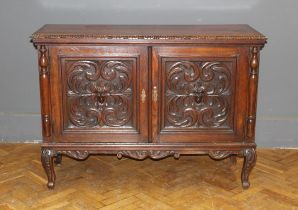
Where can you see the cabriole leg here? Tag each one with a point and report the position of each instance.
(250, 157)
(47, 159)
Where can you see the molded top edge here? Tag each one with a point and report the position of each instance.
(98, 33)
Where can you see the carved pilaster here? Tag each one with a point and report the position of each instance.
(44, 81)
(250, 157)
(47, 159)
(252, 96)
(141, 155)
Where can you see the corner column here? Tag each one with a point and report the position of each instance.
(44, 81)
(252, 96)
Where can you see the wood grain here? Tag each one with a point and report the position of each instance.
(104, 182)
(200, 82)
(59, 33)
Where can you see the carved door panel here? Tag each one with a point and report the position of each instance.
(195, 98)
(99, 90)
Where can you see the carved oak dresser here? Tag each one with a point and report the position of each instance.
(148, 92)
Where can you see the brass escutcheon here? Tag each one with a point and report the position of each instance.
(154, 92)
(143, 96)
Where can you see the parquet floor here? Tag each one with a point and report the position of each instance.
(104, 182)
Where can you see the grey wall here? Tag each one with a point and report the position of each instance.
(277, 124)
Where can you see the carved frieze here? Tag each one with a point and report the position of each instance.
(80, 155)
(141, 155)
(218, 155)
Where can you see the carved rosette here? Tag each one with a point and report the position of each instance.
(153, 154)
(198, 94)
(250, 157)
(99, 93)
(253, 88)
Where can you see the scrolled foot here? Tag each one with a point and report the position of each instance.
(250, 157)
(51, 185)
(245, 184)
(47, 159)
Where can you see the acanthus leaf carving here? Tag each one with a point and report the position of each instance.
(198, 93)
(218, 155)
(76, 154)
(99, 93)
(143, 154)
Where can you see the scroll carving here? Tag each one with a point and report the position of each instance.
(198, 94)
(100, 93)
(249, 162)
(141, 155)
(253, 87)
(218, 155)
(44, 91)
(79, 155)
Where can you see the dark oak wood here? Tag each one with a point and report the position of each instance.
(148, 34)
(148, 92)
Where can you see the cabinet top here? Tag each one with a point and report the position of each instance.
(57, 33)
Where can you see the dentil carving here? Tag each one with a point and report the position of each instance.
(198, 94)
(99, 93)
(141, 155)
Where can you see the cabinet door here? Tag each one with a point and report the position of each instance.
(199, 94)
(99, 93)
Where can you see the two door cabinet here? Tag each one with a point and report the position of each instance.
(148, 92)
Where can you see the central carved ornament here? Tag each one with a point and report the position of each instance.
(198, 94)
(99, 93)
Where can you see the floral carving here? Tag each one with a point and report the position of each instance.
(99, 93)
(198, 94)
(141, 155)
(79, 155)
(218, 155)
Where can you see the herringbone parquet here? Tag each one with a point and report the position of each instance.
(104, 182)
